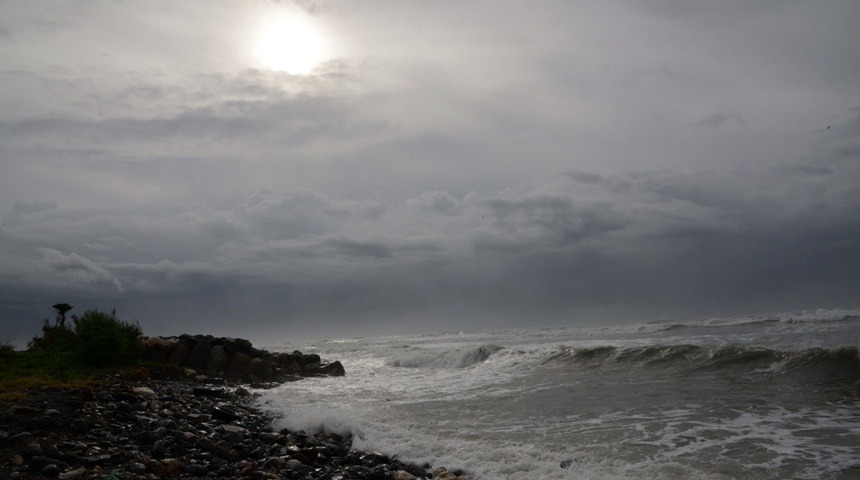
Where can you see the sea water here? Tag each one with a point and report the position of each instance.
(748, 397)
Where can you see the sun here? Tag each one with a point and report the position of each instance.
(291, 42)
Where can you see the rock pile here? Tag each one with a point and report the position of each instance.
(147, 429)
(236, 359)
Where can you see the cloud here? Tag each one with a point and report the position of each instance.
(551, 162)
(720, 119)
(565, 241)
(541, 221)
(23, 208)
(77, 269)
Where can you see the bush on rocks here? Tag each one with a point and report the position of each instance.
(105, 341)
(96, 339)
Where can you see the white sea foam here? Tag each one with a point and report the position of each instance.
(488, 402)
(443, 358)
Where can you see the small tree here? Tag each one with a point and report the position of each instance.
(62, 309)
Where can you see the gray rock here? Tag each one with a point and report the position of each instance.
(97, 460)
(158, 448)
(290, 363)
(233, 438)
(217, 360)
(21, 438)
(51, 470)
(239, 363)
(39, 462)
(179, 354)
(79, 425)
(146, 437)
(334, 369)
(145, 392)
(195, 470)
(73, 474)
(199, 354)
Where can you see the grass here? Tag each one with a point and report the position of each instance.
(23, 370)
(98, 345)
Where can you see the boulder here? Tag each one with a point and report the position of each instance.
(310, 359)
(179, 354)
(156, 349)
(290, 364)
(217, 360)
(239, 363)
(235, 345)
(442, 473)
(262, 368)
(199, 354)
(236, 358)
(334, 369)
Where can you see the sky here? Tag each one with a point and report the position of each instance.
(325, 169)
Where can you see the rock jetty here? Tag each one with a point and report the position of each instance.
(236, 359)
(178, 423)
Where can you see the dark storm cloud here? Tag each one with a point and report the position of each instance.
(468, 166)
(678, 239)
(543, 221)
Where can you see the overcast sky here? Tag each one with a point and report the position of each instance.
(430, 166)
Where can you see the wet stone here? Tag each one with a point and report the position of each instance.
(38, 462)
(123, 431)
(195, 470)
(96, 460)
(51, 470)
(23, 437)
(73, 474)
(79, 425)
(158, 448)
(233, 438)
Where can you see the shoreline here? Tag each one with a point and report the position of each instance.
(161, 423)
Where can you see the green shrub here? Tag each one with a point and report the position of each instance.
(104, 341)
(54, 337)
(97, 339)
(7, 349)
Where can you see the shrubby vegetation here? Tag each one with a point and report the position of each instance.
(96, 339)
(91, 343)
(7, 349)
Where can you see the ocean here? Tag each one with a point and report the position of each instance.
(745, 397)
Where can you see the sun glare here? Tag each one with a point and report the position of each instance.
(290, 42)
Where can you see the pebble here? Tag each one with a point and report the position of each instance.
(116, 431)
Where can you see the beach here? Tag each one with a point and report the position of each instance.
(173, 423)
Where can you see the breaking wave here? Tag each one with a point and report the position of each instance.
(452, 358)
(809, 316)
(844, 359)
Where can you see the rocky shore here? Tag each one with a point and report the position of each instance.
(236, 359)
(176, 423)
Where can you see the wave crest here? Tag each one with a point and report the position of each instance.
(846, 359)
(453, 358)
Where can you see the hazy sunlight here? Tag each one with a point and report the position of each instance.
(290, 41)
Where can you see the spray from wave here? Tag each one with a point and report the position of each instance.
(453, 358)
